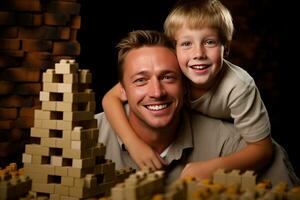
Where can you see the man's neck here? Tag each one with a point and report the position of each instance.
(158, 138)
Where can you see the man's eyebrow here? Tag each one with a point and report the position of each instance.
(139, 73)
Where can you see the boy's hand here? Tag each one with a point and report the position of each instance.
(144, 155)
(201, 169)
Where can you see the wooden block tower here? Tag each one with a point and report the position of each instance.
(67, 162)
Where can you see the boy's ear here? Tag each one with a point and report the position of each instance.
(123, 94)
(226, 50)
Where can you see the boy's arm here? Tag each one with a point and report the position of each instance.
(253, 157)
(112, 104)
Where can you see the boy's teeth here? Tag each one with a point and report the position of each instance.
(157, 107)
(199, 67)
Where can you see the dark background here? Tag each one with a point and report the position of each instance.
(265, 44)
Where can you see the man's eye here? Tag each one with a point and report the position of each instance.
(168, 78)
(139, 81)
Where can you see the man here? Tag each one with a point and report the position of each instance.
(153, 85)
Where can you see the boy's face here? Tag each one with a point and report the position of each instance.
(200, 55)
(153, 85)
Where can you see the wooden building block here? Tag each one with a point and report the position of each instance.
(248, 180)
(220, 176)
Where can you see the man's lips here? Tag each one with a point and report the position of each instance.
(157, 107)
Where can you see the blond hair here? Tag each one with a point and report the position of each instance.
(137, 39)
(197, 14)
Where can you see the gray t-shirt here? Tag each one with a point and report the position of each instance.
(235, 96)
(199, 138)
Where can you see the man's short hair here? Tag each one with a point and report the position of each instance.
(137, 39)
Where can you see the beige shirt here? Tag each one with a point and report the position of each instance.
(235, 96)
(199, 138)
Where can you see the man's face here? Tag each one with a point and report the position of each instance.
(153, 84)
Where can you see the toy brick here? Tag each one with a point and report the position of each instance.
(43, 188)
(7, 18)
(28, 19)
(19, 5)
(39, 159)
(8, 113)
(78, 97)
(42, 114)
(61, 171)
(61, 189)
(70, 78)
(22, 74)
(66, 67)
(85, 76)
(50, 77)
(84, 144)
(48, 142)
(104, 168)
(75, 22)
(71, 48)
(28, 89)
(30, 45)
(67, 87)
(6, 87)
(37, 123)
(56, 19)
(79, 172)
(66, 106)
(118, 192)
(36, 149)
(27, 111)
(6, 124)
(76, 154)
(248, 180)
(83, 163)
(39, 132)
(50, 87)
(45, 32)
(67, 181)
(26, 158)
(234, 177)
(49, 105)
(56, 161)
(294, 193)
(73, 35)
(50, 124)
(219, 176)
(34, 168)
(10, 44)
(63, 143)
(44, 96)
(23, 122)
(78, 116)
(8, 31)
(63, 7)
(38, 60)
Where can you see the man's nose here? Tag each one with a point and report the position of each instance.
(157, 89)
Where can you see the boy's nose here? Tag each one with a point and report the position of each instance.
(199, 52)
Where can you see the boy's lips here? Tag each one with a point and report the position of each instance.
(199, 67)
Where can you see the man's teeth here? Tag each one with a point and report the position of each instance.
(157, 107)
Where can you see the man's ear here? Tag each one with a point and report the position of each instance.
(123, 94)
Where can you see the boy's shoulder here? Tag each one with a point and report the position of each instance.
(235, 75)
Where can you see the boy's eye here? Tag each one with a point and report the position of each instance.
(186, 44)
(211, 43)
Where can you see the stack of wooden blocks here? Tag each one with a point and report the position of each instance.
(67, 161)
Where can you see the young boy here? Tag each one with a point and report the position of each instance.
(202, 31)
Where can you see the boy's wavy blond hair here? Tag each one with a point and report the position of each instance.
(199, 13)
